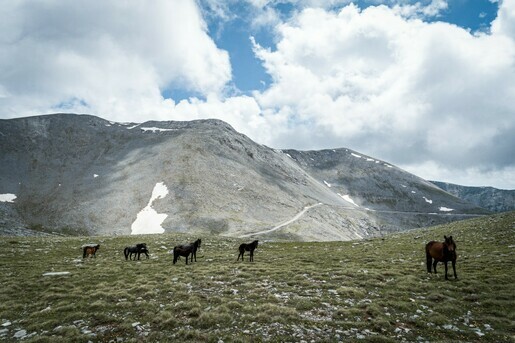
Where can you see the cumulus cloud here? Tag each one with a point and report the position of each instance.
(400, 88)
(430, 97)
(104, 57)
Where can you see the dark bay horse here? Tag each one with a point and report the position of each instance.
(441, 252)
(137, 250)
(248, 247)
(90, 250)
(185, 250)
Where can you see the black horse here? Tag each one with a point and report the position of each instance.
(138, 249)
(185, 250)
(441, 252)
(248, 247)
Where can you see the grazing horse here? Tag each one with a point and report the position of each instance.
(441, 252)
(138, 249)
(185, 250)
(90, 250)
(248, 247)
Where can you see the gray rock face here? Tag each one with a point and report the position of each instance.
(493, 199)
(82, 174)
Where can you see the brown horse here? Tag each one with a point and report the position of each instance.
(248, 247)
(441, 252)
(90, 250)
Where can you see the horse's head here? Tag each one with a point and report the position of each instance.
(198, 241)
(449, 243)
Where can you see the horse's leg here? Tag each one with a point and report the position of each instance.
(445, 263)
(84, 253)
(454, 269)
(429, 260)
(251, 259)
(187, 258)
(435, 262)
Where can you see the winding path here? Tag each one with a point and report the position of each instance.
(297, 216)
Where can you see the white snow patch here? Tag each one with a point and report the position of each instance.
(155, 129)
(148, 220)
(403, 186)
(8, 197)
(95, 175)
(327, 184)
(428, 200)
(413, 192)
(348, 199)
(389, 166)
(445, 209)
(132, 127)
(289, 156)
(355, 155)
(370, 160)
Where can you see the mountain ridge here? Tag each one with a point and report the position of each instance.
(82, 173)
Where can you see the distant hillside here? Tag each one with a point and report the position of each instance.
(493, 199)
(80, 174)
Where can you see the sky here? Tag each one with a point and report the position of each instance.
(427, 85)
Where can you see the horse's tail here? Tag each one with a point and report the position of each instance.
(175, 254)
(84, 252)
(126, 252)
(429, 259)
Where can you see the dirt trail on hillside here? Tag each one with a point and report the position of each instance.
(296, 217)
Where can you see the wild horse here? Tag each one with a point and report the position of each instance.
(90, 250)
(137, 249)
(185, 250)
(441, 252)
(248, 247)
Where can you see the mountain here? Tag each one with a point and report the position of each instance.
(493, 199)
(81, 174)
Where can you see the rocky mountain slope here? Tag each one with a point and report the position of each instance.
(82, 174)
(493, 199)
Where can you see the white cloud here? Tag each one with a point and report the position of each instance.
(504, 24)
(418, 9)
(400, 89)
(104, 57)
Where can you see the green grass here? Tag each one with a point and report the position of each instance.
(375, 290)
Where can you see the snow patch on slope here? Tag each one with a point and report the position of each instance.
(148, 220)
(348, 199)
(9, 197)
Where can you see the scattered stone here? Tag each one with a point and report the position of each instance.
(20, 334)
(55, 273)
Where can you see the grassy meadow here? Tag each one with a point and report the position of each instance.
(374, 290)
